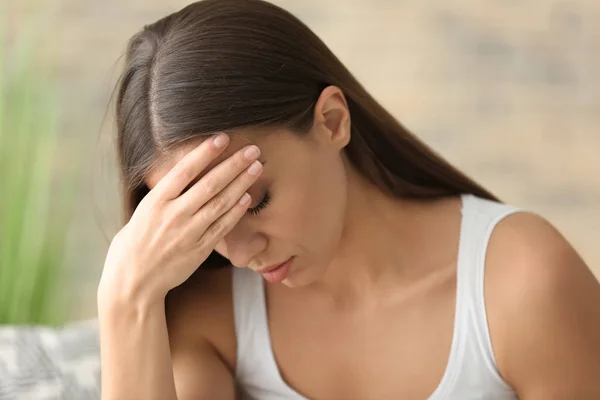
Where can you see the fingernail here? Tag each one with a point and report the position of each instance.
(255, 168)
(245, 199)
(221, 140)
(251, 152)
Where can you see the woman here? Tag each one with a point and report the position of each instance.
(243, 141)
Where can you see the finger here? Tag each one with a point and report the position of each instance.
(209, 187)
(190, 166)
(227, 199)
(209, 237)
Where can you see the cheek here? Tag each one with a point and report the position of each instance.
(319, 210)
(221, 248)
(332, 199)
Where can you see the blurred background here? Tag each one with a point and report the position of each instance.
(507, 90)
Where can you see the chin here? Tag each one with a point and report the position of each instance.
(289, 283)
(294, 283)
(300, 278)
(292, 280)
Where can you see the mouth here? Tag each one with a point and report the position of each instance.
(271, 267)
(277, 272)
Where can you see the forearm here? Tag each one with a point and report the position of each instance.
(135, 356)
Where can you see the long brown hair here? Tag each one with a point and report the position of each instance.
(216, 65)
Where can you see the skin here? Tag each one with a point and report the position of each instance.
(373, 278)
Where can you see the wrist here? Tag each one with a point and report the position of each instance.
(114, 300)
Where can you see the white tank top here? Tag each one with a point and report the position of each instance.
(471, 371)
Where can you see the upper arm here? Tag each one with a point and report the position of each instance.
(200, 373)
(544, 311)
(202, 337)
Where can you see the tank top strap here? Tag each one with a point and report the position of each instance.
(482, 217)
(474, 367)
(256, 369)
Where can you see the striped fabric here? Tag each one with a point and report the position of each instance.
(42, 363)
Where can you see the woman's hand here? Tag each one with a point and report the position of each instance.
(172, 232)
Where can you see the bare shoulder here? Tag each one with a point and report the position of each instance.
(202, 309)
(543, 305)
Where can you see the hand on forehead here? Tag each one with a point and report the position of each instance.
(236, 142)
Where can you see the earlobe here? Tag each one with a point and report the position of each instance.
(332, 114)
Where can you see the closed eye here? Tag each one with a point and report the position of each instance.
(263, 203)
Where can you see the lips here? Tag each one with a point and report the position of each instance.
(271, 267)
(277, 273)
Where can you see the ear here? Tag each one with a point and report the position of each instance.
(332, 117)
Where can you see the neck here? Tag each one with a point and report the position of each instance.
(386, 244)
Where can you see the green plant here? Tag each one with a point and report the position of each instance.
(33, 228)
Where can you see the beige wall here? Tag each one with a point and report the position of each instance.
(508, 90)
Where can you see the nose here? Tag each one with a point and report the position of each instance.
(240, 249)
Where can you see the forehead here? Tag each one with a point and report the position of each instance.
(169, 160)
